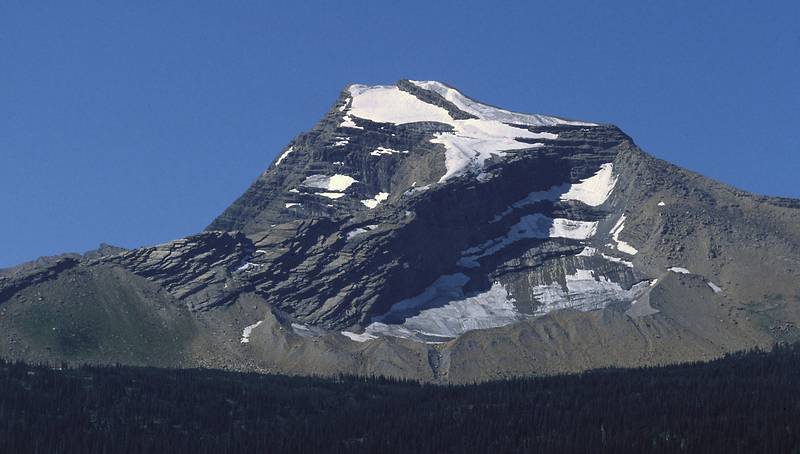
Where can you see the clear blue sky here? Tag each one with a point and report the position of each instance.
(138, 122)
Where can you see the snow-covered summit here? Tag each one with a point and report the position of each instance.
(471, 141)
(391, 104)
(487, 112)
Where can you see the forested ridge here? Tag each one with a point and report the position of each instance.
(747, 402)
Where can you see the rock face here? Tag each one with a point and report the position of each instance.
(417, 233)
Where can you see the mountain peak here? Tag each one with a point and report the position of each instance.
(404, 103)
(389, 141)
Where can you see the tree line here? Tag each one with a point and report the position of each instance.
(746, 402)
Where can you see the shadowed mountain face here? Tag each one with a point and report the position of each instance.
(417, 233)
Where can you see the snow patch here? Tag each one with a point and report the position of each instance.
(302, 330)
(584, 291)
(661, 203)
(486, 112)
(443, 311)
(360, 230)
(249, 330)
(714, 287)
(386, 151)
(246, 266)
(617, 260)
(341, 141)
(590, 252)
(363, 337)
(284, 155)
(533, 198)
(531, 226)
(444, 288)
(331, 195)
(373, 202)
(641, 307)
(347, 122)
(593, 191)
(679, 270)
(336, 182)
(292, 204)
(576, 230)
(621, 245)
(389, 104)
(475, 141)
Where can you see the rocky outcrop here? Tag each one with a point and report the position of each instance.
(199, 270)
(27, 275)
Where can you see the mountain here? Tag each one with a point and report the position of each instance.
(417, 233)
